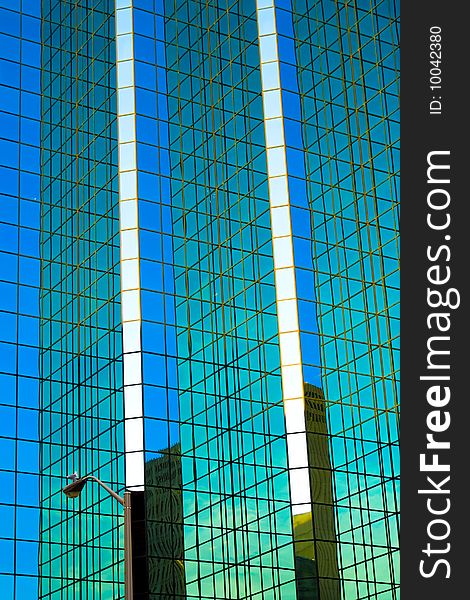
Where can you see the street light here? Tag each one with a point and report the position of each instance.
(72, 490)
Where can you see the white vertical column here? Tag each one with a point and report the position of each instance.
(129, 240)
(282, 237)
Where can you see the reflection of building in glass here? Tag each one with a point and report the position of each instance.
(314, 532)
(218, 228)
(164, 510)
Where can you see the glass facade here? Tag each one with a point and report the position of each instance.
(236, 503)
(81, 405)
(204, 303)
(349, 88)
(20, 115)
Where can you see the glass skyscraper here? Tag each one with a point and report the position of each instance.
(199, 298)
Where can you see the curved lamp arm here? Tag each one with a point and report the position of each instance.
(108, 489)
(72, 490)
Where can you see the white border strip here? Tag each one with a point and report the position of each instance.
(129, 246)
(282, 237)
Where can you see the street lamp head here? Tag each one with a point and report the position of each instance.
(72, 490)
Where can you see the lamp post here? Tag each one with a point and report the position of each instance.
(72, 490)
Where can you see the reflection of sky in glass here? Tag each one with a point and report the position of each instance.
(19, 298)
(155, 237)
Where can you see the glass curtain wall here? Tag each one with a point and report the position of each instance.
(81, 399)
(20, 114)
(348, 75)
